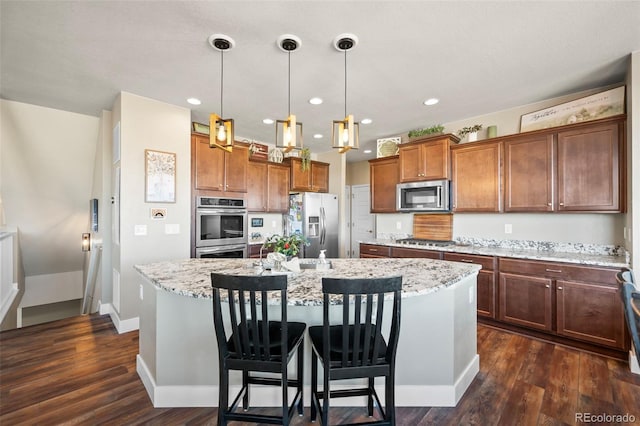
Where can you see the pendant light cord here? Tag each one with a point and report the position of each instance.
(221, 81)
(345, 82)
(289, 88)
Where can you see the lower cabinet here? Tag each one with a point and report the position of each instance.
(373, 250)
(486, 298)
(415, 253)
(578, 302)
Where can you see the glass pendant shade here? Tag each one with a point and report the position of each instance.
(345, 134)
(221, 132)
(288, 134)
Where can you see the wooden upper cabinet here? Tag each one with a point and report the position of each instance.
(589, 168)
(216, 169)
(475, 169)
(277, 188)
(268, 187)
(319, 176)
(384, 177)
(425, 160)
(256, 186)
(314, 179)
(529, 174)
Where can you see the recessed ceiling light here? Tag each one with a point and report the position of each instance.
(267, 121)
(366, 121)
(431, 101)
(315, 101)
(317, 136)
(367, 151)
(194, 101)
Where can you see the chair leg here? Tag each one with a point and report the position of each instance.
(285, 396)
(245, 384)
(370, 398)
(327, 394)
(390, 400)
(300, 363)
(223, 395)
(314, 384)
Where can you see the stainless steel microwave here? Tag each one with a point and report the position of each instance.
(426, 196)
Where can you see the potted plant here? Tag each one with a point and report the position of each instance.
(472, 132)
(433, 130)
(305, 156)
(289, 246)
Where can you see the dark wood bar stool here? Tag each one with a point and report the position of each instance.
(356, 347)
(631, 302)
(257, 344)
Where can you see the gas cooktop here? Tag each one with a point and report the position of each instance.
(424, 242)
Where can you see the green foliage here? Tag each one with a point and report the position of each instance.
(305, 156)
(438, 128)
(289, 246)
(466, 130)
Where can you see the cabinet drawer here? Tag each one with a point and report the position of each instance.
(416, 253)
(559, 270)
(488, 262)
(374, 250)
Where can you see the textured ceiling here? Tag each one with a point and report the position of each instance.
(477, 57)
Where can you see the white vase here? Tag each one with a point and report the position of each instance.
(472, 137)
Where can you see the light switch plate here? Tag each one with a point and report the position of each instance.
(172, 228)
(140, 230)
(508, 228)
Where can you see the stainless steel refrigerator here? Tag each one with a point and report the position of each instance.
(314, 215)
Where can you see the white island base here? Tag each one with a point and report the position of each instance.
(436, 361)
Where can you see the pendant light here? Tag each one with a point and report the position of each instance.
(345, 134)
(289, 131)
(221, 130)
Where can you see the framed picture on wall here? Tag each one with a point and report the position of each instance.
(160, 176)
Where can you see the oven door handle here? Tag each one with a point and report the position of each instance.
(206, 250)
(221, 211)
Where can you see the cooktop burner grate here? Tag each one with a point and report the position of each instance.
(424, 242)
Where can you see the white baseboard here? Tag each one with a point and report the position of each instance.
(207, 395)
(123, 326)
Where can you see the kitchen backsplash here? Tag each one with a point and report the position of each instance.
(271, 224)
(597, 249)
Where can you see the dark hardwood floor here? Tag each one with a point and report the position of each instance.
(80, 371)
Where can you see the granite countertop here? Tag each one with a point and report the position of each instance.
(583, 254)
(192, 277)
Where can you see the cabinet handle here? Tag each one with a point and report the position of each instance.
(553, 270)
(548, 204)
(547, 285)
(372, 249)
(559, 288)
(466, 260)
(562, 204)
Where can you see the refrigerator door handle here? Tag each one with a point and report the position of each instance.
(323, 229)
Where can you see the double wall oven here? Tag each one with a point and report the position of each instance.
(221, 228)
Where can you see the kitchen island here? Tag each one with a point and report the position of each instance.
(437, 356)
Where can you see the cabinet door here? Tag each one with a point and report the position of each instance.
(590, 312)
(486, 294)
(476, 177)
(278, 188)
(208, 165)
(257, 187)
(300, 180)
(436, 159)
(372, 250)
(589, 169)
(528, 170)
(384, 178)
(319, 177)
(236, 164)
(411, 163)
(526, 301)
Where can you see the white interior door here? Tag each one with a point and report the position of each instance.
(362, 221)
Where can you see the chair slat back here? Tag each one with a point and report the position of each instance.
(632, 316)
(361, 342)
(249, 324)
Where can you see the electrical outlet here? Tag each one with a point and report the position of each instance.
(273, 223)
(140, 230)
(398, 225)
(471, 295)
(624, 233)
(508, 228)
(141, 292)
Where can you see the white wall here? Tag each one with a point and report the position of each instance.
(633, 140)
(585, 228)
(149, 124)
(47, 158)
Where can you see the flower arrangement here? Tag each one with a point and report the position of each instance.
(289, 246)
(466, 130)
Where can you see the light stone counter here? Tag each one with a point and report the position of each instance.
(437, 352)
(583, 254)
